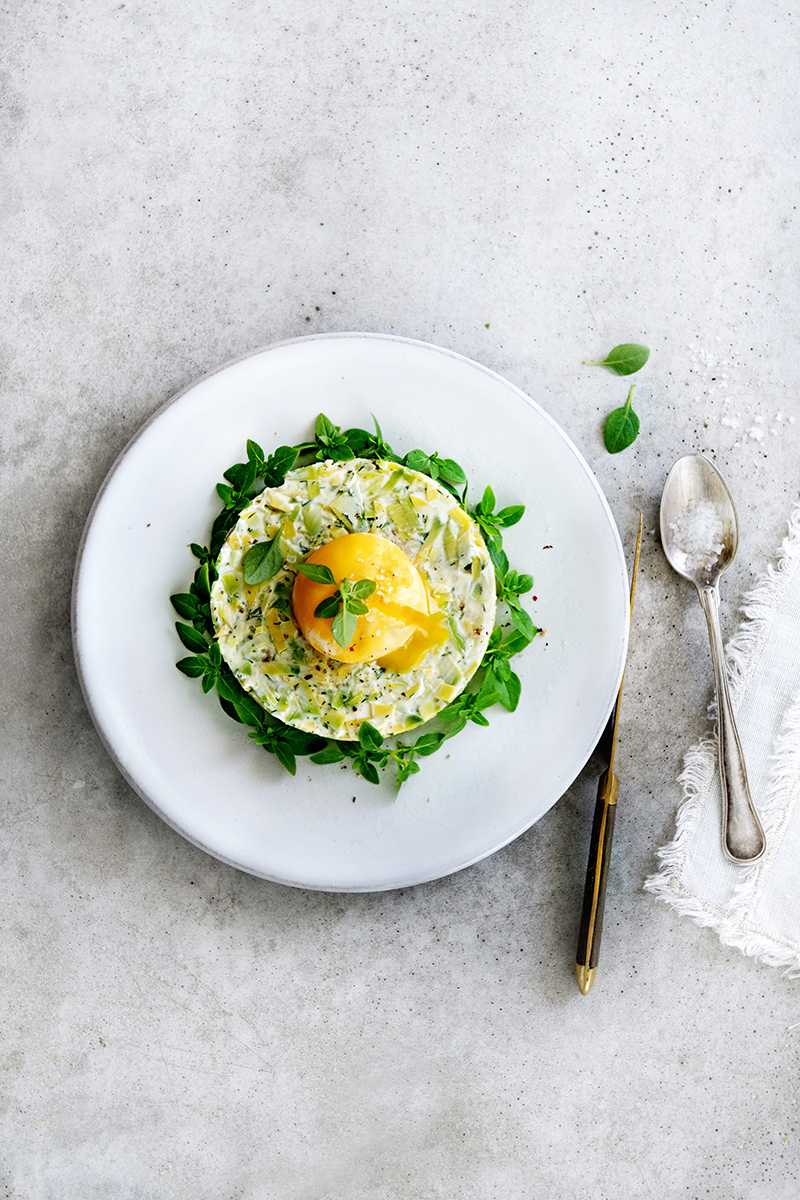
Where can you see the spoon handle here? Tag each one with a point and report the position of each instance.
(743, 837)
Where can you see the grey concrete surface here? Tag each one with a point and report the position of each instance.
(526, 184)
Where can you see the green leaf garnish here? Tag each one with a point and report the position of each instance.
(491, 522)
(622, 426)
(317, 574)
(262, 561)
(624, 359)
(346, 604)
(494, 682)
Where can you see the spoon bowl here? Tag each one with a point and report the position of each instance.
(700, 537)
(695, 487)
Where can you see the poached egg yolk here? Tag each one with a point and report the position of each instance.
(397, 630)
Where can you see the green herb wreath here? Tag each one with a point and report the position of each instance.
(493, 683)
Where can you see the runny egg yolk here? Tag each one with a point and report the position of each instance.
(397, 630)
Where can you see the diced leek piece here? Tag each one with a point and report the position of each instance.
(335, 720)
(476, 568)
(455, 633)
(446, 692)
(428, 710)
(450, 543)
(449, 671)
(314, 518)
(276, 499)
(432, 491)
(464, 547)
(275, 668)
(231, 583)
(308, 703)
(274, 624)
(419, 502)
(427, 546)
(382, 710)
(404, 514)
(349, 520)
(460, 517)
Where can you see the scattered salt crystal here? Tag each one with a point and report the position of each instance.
(698, 533)
(756, 434)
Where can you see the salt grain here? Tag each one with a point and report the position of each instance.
(698, 531)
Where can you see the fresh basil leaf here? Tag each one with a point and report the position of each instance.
(509, 516)
(363, 588)
(368, 736)
(499, 558)
(249, 710)
(359, 441)
(622, 427)
(226, 689)
(255, 453)
(521, 621)
(417, 460)
(331, 754)
(343, 628)
(317, 574)
(262, 561)
(486, 503)
(202, 582)
(191, 639)
(192, 667)
(325, 428)
(450, 471)
(405, 770)
(428, 743)
(624, 359)
(302, 742)
(230, 710)
(328, 608)
(185, 605)
(509, 691)
(285, 757)
(278, 464)
(369, 771)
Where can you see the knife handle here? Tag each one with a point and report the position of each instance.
(594, 895)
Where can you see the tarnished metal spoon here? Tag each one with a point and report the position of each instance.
(700, 535)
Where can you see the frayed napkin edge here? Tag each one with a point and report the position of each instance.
(699, 767)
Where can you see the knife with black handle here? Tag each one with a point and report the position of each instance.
(594, 894)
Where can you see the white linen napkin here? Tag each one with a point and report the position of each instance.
(755, 908)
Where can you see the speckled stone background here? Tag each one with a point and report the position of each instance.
(526, 184)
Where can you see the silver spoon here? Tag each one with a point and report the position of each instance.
(700, 534)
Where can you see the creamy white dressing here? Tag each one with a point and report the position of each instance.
(255, 626)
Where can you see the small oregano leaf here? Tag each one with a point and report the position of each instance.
(262, 561)
(625, 359)
(622, 426)
(317, 574)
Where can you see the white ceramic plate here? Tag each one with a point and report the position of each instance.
(326, 828)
